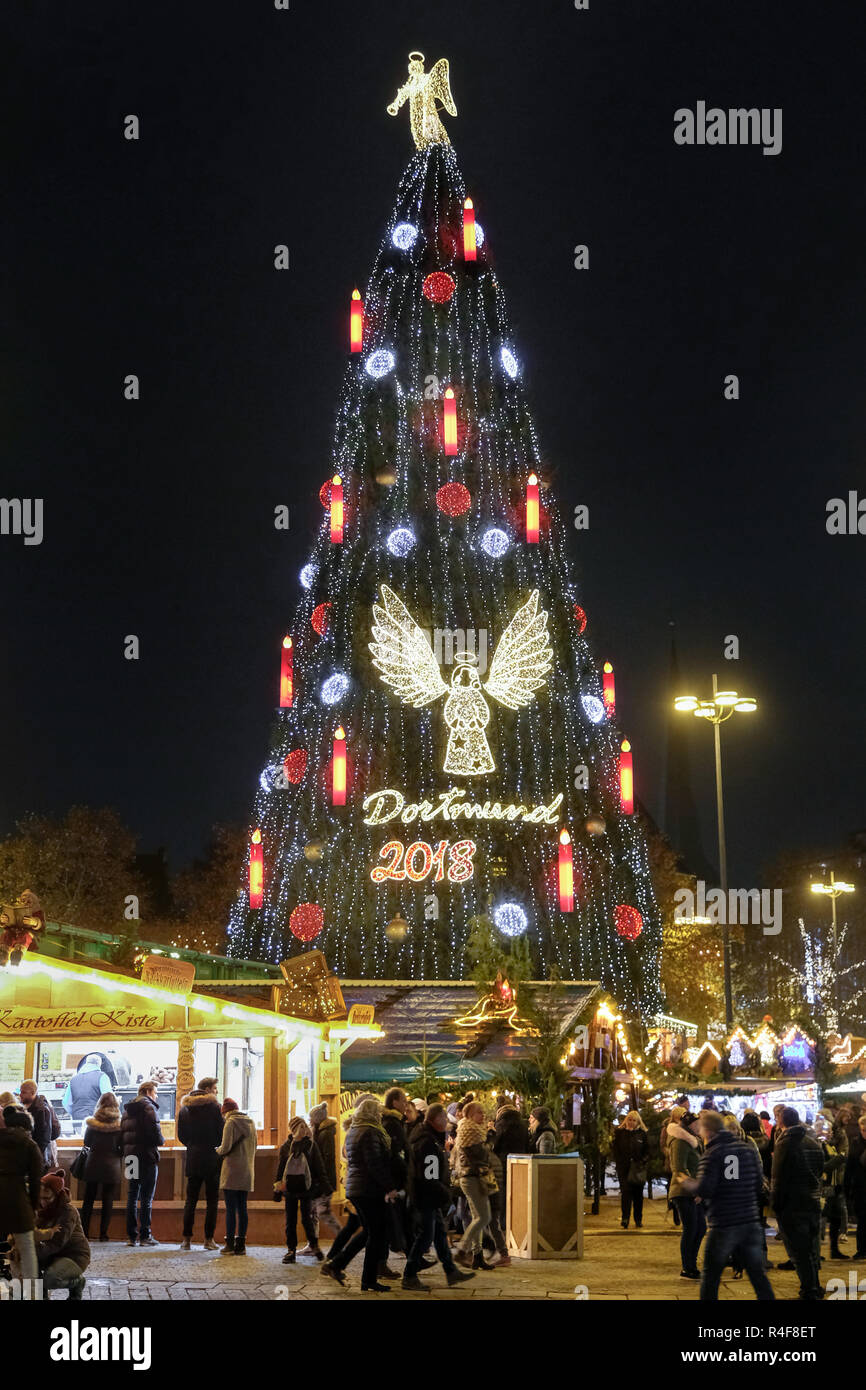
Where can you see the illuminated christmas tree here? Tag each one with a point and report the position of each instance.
(445, 745)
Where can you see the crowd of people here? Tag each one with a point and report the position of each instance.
(420, 1179)
(726, 1176)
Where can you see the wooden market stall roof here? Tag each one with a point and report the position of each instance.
(419, 1019)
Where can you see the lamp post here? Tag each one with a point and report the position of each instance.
(717, 710)
(833, 890)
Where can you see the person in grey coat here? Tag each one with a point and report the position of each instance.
(237, 1174)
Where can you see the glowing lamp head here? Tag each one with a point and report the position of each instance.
(685, 704)
(726, 699)
(746, 705)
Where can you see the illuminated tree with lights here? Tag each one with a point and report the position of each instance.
(829, 988)
(446, 742)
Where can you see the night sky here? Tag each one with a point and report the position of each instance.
(261, 127)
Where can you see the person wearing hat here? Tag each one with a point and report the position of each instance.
(62, 1248)
(542, 1135)
(685, 1151)
(20, 1172)
(416, 1109)
(324, 1131)
(237, 1174)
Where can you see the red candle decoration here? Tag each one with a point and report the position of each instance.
(438, 287)
(338, 768)
(626, 778)
(608, 690)
(257, 870)
(287, 681)
(566, 873)
(320, 617)
(470, 251)
(356, 321)
(453, 499)
(628, 922)
(337, 509)
(532, 508)
(295, 765)
(450, 422)
(580, 618)
(306, 921)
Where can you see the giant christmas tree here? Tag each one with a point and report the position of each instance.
(445, 748)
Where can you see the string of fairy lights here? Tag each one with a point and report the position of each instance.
(444, 528)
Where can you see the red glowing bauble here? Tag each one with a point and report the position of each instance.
(295, 765)
(325, 493)
(628, 921)
(438, 287)
(454, 499)
(579, 618)
(320, 618)
(306, 921)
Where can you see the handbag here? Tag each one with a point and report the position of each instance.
(637, 1172)
(79, 1163)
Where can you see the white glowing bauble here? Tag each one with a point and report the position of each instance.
(592, 708)
(335, 688)
(510, 919)
(479, 236)
(308, 576)
(405, 235)
(401, 541)
(509, 362)
(379, 363)
(495, 542)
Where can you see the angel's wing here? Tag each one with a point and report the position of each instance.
(522, 658)
(440, 85)
(403, 654)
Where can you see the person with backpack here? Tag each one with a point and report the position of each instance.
(103, 1149)
(300, 1179)
(237, 1176)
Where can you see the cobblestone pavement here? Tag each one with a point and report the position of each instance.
(617, 1265)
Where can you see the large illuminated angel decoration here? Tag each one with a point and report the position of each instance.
(404, 656)
(423, 90)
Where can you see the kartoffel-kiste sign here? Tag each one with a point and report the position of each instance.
(119, 1020)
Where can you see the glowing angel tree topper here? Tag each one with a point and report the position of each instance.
(438, 626)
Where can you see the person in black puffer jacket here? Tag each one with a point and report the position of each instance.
(142, 1141)
(432, 1194)
(631, 1156)
(293, 1187)
(103, 1166)
(796, 1187)
(200, 1127)
(511, 1137)
(730, 1185)
(369, 1186)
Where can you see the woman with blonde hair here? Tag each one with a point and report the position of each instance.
(631, 1157)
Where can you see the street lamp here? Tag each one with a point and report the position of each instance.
(723, 704)
(833, 890)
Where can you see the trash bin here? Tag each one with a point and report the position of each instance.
(544, 1219)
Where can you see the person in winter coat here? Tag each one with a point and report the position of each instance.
(84, 1089)
(324, 1130)
(352, 1224)
(102, 1137)
(200, 1128)
(512, 1137)
(796, 1187)
(431, 1188)
(542, 1135)
(834, 1145)
(142, 1140)
(415, 1116)
(237, 1174)
(471, 1167)
(61, 1245)
(20, 1173)
(394, 1110)
(730, 1185)
(300, 1179)
(631, 1157)
(369, 1186)
(684, 1151)
(42, 1115)
(855, 1184)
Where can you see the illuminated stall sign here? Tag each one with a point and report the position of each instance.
(116, 1021)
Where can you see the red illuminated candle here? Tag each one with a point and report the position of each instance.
(532, 508)
(287, 680)
(257, 869)
(356, 321)
(609, 690)
(626, 778)
(337, 509)
(566, 873)
(450, 422)
(470, 251)
(338, 769)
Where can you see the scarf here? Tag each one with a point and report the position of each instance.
(375, 1126)
(469, 1133)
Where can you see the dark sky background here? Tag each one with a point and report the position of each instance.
(156, 257)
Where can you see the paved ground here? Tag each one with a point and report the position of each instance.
(617, 1265)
